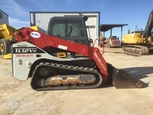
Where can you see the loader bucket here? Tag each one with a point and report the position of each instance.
(122, 79)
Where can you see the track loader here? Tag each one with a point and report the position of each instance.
(63, 58)
(139, 42)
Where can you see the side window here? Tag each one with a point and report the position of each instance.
(59, 30)
(75, 28)
(66, 28)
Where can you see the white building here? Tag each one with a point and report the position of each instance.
(41, 19)
(3, 17)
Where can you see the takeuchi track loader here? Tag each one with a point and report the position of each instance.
(63, 58)
(139, 42)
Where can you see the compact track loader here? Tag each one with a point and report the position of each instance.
(63, 58)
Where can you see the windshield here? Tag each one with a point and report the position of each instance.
(66, 28)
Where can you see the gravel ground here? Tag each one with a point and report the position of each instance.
(17, 97)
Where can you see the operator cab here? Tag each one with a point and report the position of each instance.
(70, 28)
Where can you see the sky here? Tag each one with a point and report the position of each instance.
(131, 12)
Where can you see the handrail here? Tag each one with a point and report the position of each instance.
(100, 45)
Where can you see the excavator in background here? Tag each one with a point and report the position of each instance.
(7, 39)
(64, 58)
(139, 42)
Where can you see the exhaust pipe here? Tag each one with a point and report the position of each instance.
(121, 79)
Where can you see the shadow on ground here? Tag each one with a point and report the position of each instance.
(140, 73)
(137, 73)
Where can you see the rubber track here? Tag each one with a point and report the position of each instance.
(67, 67)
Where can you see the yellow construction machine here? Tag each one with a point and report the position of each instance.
(139, 42)
(7, 39)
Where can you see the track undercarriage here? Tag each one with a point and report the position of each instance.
(135, 50)
(54, 76)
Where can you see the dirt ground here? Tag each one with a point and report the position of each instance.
(17, 97)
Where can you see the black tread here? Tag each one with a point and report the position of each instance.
(135, 50)
(35, 78)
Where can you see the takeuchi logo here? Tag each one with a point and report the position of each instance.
(35, 34)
